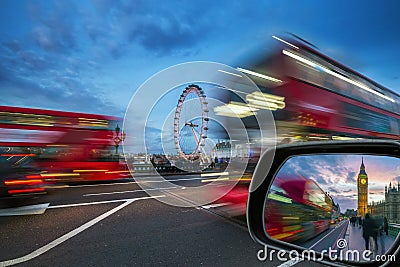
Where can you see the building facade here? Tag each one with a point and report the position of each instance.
(390, 207)
(392, 201)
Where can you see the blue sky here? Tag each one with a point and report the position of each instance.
(91, 56)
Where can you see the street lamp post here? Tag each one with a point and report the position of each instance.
(119, 137)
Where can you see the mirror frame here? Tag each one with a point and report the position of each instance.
(261, 182)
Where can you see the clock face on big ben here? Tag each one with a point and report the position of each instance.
(363, 181)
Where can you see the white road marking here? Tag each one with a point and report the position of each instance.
(135, 182)
(69, 235)
(131, 191)
(99, 202)
(324, 237)
(297, 260)
(25, 210)
(290, 263)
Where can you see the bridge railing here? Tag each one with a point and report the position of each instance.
(394, 229)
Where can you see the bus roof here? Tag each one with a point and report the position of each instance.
(55, 113)
(306, 46)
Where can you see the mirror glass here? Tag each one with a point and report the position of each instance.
(343, 203)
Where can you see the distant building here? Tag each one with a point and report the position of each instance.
(222, 151)
(141, 158)
(377, 209)
(225, 150)
(390, 207)
(392, 203)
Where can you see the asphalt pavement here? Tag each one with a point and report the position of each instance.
(118, 224)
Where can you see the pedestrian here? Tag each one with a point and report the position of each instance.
(381, 238)
(385, 225)
(370, 229)
(353, 221)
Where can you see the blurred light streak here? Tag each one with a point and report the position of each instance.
(215, 205)
(230, 73)
(214, 174)
(291, 218)
(93, 122)
(279, 198)
(259, 75)
(20, 191)
(33, 176)
(23, 182)
(116, 172)
(337, 75)
(285, 42)
(58, 174)
(344, 138)
(265, 101)
(245, 179)
(232, 90)
(235, 109)
(90, 170)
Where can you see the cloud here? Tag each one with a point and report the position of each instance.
(153, 140)
(334, 190)
(351, 177)
(164, 35)
(32, 60)
(42, 96)
(162, 29)
(346, 202)
(54, 29)
(323, 169)
(12, 45)
(61, 92)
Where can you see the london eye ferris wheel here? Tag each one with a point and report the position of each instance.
(191, 124)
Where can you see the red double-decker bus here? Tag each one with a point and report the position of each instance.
(296, 209)
(315, 97)
(41, 147)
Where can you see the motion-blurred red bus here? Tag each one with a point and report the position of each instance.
(313, 97)
(297, 209)
(41, 147)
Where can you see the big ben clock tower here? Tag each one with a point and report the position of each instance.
(362, 186)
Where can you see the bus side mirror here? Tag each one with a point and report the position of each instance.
(335, 202)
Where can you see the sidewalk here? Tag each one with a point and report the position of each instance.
(355, 241)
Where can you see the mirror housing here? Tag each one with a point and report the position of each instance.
(262, 180)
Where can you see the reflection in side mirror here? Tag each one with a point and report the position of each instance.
(338, 201)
